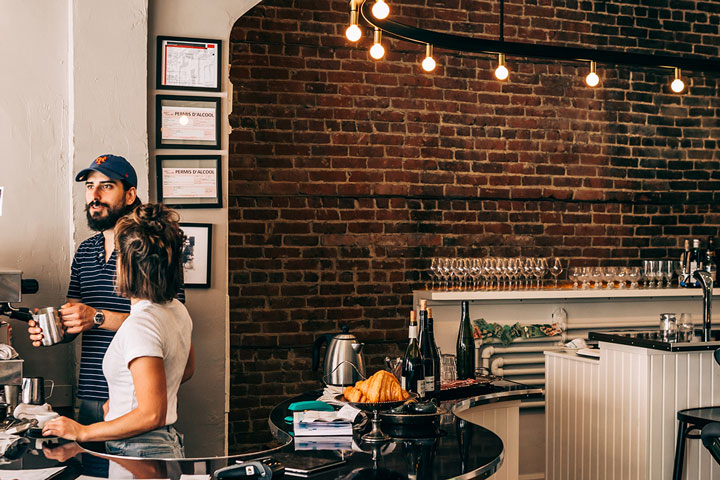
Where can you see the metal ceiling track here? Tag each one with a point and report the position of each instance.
(462, 43)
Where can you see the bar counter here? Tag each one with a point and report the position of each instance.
(456, 448)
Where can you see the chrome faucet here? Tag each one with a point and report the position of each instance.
(706, 282)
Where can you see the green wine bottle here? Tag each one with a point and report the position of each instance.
(465, 345)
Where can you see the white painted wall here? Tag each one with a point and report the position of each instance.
(78, 82)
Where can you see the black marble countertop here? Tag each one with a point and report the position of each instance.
(654, 339)
(450, 448)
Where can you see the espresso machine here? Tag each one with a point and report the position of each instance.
(12, 287)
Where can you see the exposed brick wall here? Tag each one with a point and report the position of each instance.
(347, 174)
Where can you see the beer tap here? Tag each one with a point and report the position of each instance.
(706, 282)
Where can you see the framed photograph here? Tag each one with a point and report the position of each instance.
(197, 255)
(188, 64)
(189, 181)
(187, 122)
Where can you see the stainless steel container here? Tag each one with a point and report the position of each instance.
(49, 320)
(33, 390)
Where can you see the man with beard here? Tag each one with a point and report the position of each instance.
(93, 308)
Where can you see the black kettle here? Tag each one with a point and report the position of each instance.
(344, 364)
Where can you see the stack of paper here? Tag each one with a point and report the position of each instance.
(316, 424)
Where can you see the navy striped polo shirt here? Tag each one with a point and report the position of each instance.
(92, 280)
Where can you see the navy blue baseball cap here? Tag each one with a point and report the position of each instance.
(112, 166)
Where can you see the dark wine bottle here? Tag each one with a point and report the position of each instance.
(696, 260)
(413, 373)
(465, 349)
(685, 265)
(710, 264)
(430, 353)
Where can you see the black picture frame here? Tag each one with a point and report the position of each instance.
(197, 254)
(172, 110)
(183, 70)
(184, 181)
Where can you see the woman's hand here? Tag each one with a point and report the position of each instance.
(65, 428)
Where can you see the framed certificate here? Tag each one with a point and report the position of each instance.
(188, 64)
(189, 181)
(197, 254)
(187, 122)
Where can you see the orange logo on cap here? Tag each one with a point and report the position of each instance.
(100, 160)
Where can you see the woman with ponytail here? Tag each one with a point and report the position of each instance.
(151, 353)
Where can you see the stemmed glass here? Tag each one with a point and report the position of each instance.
(541, 268)
(622, 272)
(556, 268)
(667, 272)
(574, 275)
(649, 270)
(445, 271)
(528, 270)
(513, 269)
(634, 274)
(609, 275)
(586, 277)
(597, 276)
(434, 271)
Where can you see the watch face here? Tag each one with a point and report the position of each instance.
(99, 318)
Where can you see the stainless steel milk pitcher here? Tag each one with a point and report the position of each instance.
(53, 331)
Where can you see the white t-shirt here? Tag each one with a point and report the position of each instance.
(160, 330)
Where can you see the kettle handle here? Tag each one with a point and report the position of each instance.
(316, 349)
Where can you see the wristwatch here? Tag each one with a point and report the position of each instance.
(99, 318)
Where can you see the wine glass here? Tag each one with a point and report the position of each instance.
(528, 269)
(621, 275)
(649, 272)
(634, 275)
(668, 271)
(609, 275)
(586, 277)
(574, 275)
(556, 268)
(475, 271)
(445, 269)
(541, 268)
(434, 271)
(597, 276)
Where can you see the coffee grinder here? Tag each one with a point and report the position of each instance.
(12, 287)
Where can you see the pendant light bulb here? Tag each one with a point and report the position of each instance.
(592, 78)
(428, 64)
(380, 10)
(377, 51)
(353, 33)
(501, 72)
(677, 85)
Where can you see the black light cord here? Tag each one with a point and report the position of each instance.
(462, 43)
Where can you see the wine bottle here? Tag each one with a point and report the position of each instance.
(413, 374)
(695, 264)
(428, 350)
(465, 349)
(710, 264)
(685, 265)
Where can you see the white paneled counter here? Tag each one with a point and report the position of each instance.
(615, 418)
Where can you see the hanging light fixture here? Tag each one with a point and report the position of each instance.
(380, 10)
(501, 72)
(377, 51)
(428, 64)
(353, 32)
(677, 85)
(592, 78)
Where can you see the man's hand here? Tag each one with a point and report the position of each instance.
(63, 427)
(77, 317)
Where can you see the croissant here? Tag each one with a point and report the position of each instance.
(380, 387)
